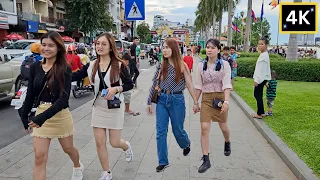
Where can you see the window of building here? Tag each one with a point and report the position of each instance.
(19, 7)
(7, 6)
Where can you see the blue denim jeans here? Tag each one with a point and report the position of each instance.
(170, 106)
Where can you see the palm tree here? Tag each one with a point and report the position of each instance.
(248, 27)
(230, 10)
(292, 54)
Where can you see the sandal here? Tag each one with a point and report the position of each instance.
(133, 113)
(256, 116)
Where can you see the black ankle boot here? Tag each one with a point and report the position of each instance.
(227, 148)
(205, 165)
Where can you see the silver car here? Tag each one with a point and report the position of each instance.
(9, 72)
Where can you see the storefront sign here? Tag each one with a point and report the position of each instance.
(42, 28)
(32, 26)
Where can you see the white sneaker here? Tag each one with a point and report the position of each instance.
(128, 153)
(106, 176)
(77, 173)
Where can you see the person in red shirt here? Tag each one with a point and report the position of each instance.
(188, 59)
(73, 59)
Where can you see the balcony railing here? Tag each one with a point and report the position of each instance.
(48, 19)
(29, 16)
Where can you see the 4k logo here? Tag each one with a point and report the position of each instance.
(298, 18)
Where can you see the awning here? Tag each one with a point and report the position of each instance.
(4, 22)
(53, 29)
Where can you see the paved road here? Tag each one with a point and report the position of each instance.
(11, 127)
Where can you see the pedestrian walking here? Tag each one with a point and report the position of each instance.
(48, 91)
(262, 74)
(133, 51)
(213, 81)
(110, 77)
(171, 77)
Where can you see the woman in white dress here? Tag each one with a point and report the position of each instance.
(107, 72)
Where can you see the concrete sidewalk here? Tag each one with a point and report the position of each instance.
(252, 157)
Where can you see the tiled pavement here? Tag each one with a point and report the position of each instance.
(252, 157)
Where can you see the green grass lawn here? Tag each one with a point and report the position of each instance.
(296, 118)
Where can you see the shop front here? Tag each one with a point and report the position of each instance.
(8, 16)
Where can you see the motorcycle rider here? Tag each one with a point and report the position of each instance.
(74, 60)
(84, 58)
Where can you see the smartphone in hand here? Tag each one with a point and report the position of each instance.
(104, 92)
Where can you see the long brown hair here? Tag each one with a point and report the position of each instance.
(176, 60)
(115, 69)
(60, 65)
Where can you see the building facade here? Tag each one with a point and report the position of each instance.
(8, 16)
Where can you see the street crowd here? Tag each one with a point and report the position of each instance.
(112, 78)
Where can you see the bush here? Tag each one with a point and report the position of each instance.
(290, 71)
(246, 54)
(203, 51)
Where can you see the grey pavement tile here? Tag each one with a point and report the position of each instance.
(176, 172)
(149, 176)
(149, 163)
(125, 171)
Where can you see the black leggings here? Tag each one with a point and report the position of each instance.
(258, 94)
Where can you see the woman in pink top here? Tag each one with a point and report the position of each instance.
(213, 80)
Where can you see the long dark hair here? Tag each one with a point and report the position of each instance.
(215, 43)
(115, 68)
(176, 59)
(60, 65)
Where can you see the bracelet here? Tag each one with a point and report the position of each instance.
(227, 102)
(196, 103)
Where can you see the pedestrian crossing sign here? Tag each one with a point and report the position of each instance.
(135, 10)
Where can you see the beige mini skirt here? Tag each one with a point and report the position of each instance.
(208, 113)
(59, 126)
(103, 117)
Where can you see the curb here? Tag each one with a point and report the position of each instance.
(290, 158)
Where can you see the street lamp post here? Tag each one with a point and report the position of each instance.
(232, 15)
(242, 14)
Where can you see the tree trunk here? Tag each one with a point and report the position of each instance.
(230, 9)
(292, 51)
(214, 27)
(248, 27)
(220, 26)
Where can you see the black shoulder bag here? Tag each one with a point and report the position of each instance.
(116, 102)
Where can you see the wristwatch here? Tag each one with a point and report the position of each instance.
(227, 102)
(118, 89)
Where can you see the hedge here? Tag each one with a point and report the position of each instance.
(308, 71)
(247, 54)
(203, 51)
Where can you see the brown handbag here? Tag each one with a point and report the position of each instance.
(157, 90)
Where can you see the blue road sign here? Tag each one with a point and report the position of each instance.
(135, 10)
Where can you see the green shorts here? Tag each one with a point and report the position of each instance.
(270, 102)
(127, 97)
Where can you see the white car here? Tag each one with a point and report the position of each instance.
(18, 48)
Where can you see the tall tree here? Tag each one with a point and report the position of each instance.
(248, 25)
(230, 11)
(143, 31)
(292, 54)
(88, 15)
(255, 31)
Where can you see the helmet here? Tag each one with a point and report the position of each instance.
(35, 48)
(71, 48)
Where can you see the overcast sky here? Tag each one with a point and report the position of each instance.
(181, 10)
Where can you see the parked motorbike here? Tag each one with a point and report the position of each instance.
(78, 90)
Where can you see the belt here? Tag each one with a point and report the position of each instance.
(171, 92)
(41, 102)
